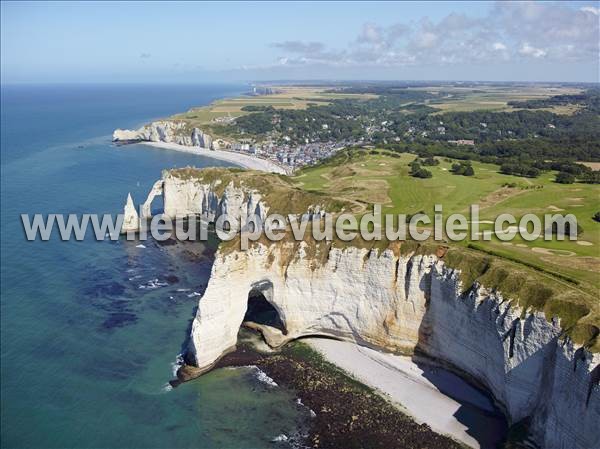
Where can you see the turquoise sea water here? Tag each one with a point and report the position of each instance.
(90, 330)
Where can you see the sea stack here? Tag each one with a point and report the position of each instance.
(131, 219)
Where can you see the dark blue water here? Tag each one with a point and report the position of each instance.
(88, 342)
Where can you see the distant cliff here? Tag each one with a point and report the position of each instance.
(166, 131)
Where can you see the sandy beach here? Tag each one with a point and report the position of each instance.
(430, 395)
(243, 160)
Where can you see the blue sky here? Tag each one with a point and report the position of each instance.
(200, 42)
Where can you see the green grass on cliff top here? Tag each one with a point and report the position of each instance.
(382, 178)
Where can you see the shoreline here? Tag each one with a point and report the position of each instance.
(243, 160)
(430, 395)
(344, 411)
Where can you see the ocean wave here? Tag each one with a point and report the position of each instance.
(152, 284)
(261, 376)
(279, 438)
(178, 363)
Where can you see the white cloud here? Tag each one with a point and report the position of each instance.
(552, 31)
(591, 9)
(426, 39)
(299, 46)
(528, 50)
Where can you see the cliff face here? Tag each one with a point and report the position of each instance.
(402, 303)
(184, 196)
(165, 131)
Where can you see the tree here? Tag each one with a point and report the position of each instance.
(422, 173)
(564, 178)
(592, 177)
(468, 171)
(458, 169)
(430, 161)
(596, 217)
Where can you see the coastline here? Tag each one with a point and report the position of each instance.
(243, 160)
(344, 412)
(436, 397)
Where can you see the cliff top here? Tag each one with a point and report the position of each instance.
(278, 191)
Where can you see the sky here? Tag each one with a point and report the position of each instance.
(185, 42)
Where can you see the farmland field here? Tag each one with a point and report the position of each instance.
(285, 97)
(494, 98)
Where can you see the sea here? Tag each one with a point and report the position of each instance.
(91, 330)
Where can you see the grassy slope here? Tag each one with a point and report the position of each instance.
(365, 177)
(372, 178)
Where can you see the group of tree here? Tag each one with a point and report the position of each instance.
(518, 169)
(428, 161)
(564, 178)
(417, 171)
(463, 168)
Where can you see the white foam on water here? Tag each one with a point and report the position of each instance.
(152, 284)
(280, 437)
(261, 376)
(191, 295)
(183, 290)
(310, 411)
(178, 363)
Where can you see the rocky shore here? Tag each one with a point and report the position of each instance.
(346, 414)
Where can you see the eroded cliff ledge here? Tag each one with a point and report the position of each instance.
(529, 338)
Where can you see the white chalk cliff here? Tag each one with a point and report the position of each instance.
(397, 301)
(183, 196)
(403, 303)
(166, 131)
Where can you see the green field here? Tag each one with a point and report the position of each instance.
(495, 98)
(385, 179)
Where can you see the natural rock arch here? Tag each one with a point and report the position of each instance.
(157, 189)
(264, 315)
